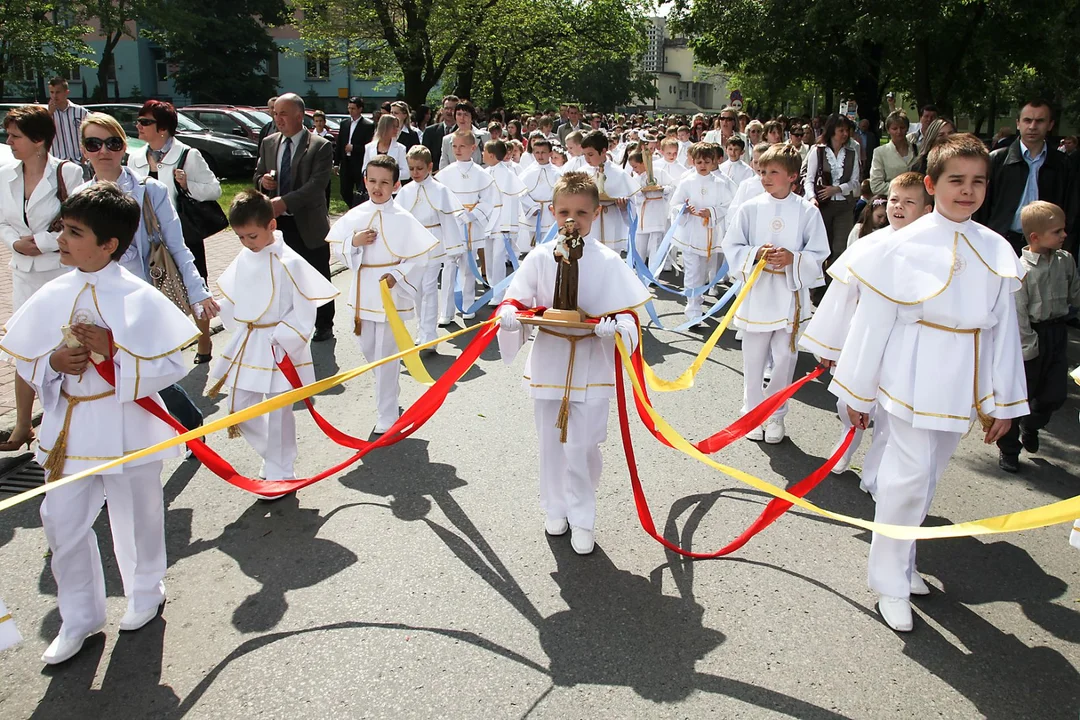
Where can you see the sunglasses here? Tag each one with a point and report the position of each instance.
(727, 119)
(796, 134)
(146, 122)
(93, 144)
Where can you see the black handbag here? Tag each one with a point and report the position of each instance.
(199, 218)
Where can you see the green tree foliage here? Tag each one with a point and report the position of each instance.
(221, 49)
(38, 37)
(115, 20)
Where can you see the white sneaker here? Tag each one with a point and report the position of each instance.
(582, 540)
(64, 647)
(134, 620)
(844, 464)
(757, 434)
(774, 432)
(468, 316)
(896, 612)
(443, 321)
(768, 372)
(694, 318)
(918, 585)
(556, 526)
(868, 490)
(738, 335)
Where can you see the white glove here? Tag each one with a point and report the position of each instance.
(470, 217)
(508, 318)
(606, 328)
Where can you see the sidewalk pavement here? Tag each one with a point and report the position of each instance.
(220, 251)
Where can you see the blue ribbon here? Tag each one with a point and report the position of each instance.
(665, 244)
(499, 288)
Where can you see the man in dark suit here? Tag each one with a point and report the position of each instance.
(268, 127)
(434, 133)
(293, 169)
(1025, 171)
(355, 133)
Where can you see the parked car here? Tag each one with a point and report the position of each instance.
(227, 120)
(134, 143)
(227, 155)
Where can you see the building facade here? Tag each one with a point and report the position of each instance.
(676, 75)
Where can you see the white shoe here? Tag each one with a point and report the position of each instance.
(774, 432)
(581, 540)
(738, 335)
(134, 620)
(556, 526)
(868, 490)
(493, 302)
(64, 647)
(693, 318)
(768, 373)
(443, 321)
(468, 316)
(844, 463)
(918, 585)
(382, 428)
(896, 612)
(757, 434)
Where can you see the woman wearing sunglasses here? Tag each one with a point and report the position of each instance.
(30, 191)
(104, 144)
(157, 124)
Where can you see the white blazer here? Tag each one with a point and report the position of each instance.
(202, 183)
(40, 211)
(396, 151)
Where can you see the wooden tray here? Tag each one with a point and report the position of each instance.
(542, 322)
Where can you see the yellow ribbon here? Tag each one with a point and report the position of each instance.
(404, 340)
(266, 406)
(1052, 514)
(686, 380)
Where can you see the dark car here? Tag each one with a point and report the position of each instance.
(225, 120)
(227, 156)
(134, 143)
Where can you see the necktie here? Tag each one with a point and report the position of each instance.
(157, 155)
(285, 172)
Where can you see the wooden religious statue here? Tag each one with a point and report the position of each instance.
(569, 247)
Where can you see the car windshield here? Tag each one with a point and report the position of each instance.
(261, 117)
(248, 121)
(186, 123)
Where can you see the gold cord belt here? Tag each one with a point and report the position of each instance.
(57, 457)
(985, 419)
(237, 360)
(563, 420)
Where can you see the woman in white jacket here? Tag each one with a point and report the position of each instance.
(157, 124)
(29, 203)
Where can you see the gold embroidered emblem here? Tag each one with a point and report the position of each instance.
(777, 225)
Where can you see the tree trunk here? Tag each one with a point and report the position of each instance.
(830, 101)
(923, 95)
(467, 71)
(416, 85)
(869, 90)
(107, 60)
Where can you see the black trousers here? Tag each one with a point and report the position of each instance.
(317, 257)
(1017, 241)
(1047, 382)
(353, 190)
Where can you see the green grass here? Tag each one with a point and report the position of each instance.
(229, 188)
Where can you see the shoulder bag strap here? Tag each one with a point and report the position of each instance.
(149, 216)
(183, 158)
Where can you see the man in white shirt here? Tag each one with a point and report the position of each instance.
(67, 117)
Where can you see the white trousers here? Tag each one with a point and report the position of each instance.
(495, 262)
(698, 271)
(911, 467)
(272, 436)
(451, 268)
(427, 304)
(25, 283)
(570, 471)
(376, 342)
(647, 244)
(872, 460)
(757, 347)
(137, 520)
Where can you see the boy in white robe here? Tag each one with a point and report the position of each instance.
(576, 159)
(788, 232)
(935, 343)
(438, 209)
(271, 295)
(751, 187)
(612, 228)
(826, 331)
(539, 180)
(380, 240)
(9, 633)
(571, 402)
(670, 162)
(100, 311)
(651, 205)
(700, 227)
(479, 196)
(511, 190)
(734, 167)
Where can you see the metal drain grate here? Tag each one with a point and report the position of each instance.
(20, 474)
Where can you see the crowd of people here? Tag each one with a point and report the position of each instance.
(957, 253)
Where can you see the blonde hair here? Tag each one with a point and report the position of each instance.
(780, 154)
(910, 181)
(386, 123)
(575, 183)
(669, 142)
(404, 107)
(419, 152)
(103, 121)
(1040, 216)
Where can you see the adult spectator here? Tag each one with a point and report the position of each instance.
(866, 146)
(294, 167)
(160, 160)
(386, 144)
(465, 116)
(795, 139)
(927, 115)
(268, 127)
(67, 117)
(725, 127)
(755, 133)
(895, 157)
(564, 111)
(573, 122)
(407, 134)
(935, 134)
(104, 144)
(421, 119)
(1002, 138)
(1069, 144)
(353, 135)
(434, 134)
(1023, 172)
(29, 203)
(837, 194)
(744, 120)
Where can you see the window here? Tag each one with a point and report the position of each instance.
(318, 66)
(272, 64)
(161, 66)
(72, 75)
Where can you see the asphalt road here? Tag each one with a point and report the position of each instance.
(420, 584)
